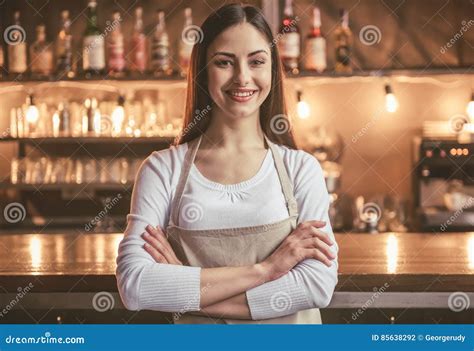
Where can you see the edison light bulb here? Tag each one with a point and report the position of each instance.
(391, 102)
(470, 109)
(118, 116)
(302, 107)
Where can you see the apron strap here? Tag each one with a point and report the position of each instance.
(193, 146)
(285, 182)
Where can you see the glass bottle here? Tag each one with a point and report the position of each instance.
(115, 47)
(138, 55)
(64, 47)
(160, 56)
(41, 54)
(344, 40)
(315, 53)
(93, 53)
(17, 53)
(186, 44)
(289, 43)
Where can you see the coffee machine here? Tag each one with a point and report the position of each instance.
(444, 181)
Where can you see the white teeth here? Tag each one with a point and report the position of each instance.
(246, 94)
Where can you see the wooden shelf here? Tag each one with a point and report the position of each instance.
(415, 72)
(90, 140)
(67, 186)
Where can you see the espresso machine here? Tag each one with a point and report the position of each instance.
(444, 180)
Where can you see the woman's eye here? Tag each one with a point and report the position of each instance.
(223, 63)
(258, 62)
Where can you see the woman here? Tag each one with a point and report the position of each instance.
(224, 225)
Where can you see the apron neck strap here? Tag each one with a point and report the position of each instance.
(286, 184)
(193, 146)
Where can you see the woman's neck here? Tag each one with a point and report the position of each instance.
(234, 134)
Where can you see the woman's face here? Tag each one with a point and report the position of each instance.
(239, 70)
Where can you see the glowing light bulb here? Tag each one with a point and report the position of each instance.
(118, 116)
(32, 113)
(470, 108)
(302, 107)
(391, 102)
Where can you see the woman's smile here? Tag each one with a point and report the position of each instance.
(241, 95)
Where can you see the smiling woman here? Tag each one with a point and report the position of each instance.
(230, 225)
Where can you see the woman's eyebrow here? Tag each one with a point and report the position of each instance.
(233, 55)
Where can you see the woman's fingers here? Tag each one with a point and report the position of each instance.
(157, 256)
(321, 235)
(317, 255)
(153, 237)
(160, 235)
(320, 245)
(317, 224)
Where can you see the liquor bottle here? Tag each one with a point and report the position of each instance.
(289, 44)
(344, 39)
(93, 53)
(2, 72)
(64, 47)
(160, 56)
(315, 48)
(62, 121)
(186, 44)
(41, 54)
(138, 54)
(115, 47)
(17, 53)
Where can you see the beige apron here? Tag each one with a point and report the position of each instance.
(232, 247)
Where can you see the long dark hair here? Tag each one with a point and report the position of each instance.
(273, 112)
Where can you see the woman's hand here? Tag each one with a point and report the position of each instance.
(158, 246)
(306, 241)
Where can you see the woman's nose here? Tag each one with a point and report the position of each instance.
(242, 74)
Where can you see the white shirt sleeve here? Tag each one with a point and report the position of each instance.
(142, 282)
(310, 284)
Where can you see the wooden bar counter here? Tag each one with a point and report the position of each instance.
(403, 270)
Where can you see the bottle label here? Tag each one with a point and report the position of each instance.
(64, 54)
(290, 45)
(17, 58)
(160, 55)
(138, 56)
(1, 56)
(42, 61)
(315, 56)
(343, 55)
(116, 53)
(93, 54)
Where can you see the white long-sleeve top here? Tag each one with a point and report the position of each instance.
(146, 284)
